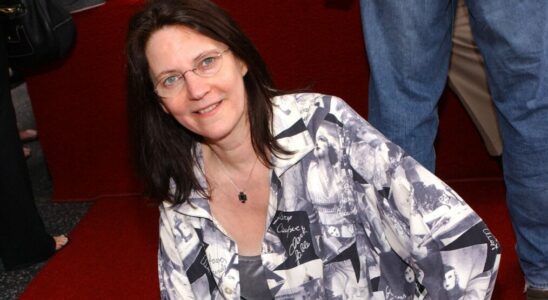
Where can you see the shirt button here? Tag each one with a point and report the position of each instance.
(228, 291)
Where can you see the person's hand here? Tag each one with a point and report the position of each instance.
(27, 135)
(60, 241)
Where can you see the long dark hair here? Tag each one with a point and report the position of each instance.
(163, 149)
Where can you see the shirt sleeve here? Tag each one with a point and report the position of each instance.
(423, 220)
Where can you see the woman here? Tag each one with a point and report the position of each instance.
(232, 161)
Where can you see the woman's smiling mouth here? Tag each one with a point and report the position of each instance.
(208, 109)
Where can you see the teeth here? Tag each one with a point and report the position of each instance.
(208, 109)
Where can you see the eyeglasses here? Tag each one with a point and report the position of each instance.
(171, 84)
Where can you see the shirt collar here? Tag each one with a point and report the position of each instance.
(197, 205)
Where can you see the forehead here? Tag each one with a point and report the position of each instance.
(177, 44)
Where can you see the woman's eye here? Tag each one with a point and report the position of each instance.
(208, 62)
(171, 80)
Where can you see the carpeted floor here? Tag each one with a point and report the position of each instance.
(112, 251)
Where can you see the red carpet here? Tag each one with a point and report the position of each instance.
(111, 255)
(112, 252)
(79, 106)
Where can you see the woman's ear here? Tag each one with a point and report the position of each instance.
(243, 67)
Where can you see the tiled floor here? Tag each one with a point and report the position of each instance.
(58, 217)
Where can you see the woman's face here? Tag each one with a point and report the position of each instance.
(409, 275)
(324, 140)
(450, 280)
(212, 107)
(322, 145)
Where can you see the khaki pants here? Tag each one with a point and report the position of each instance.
(467, 78)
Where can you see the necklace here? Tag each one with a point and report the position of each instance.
(242, 196)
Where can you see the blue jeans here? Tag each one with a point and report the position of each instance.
(408, 46)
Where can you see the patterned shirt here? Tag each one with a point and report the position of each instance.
(350, 216)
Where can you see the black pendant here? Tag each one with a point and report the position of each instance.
(242, 197)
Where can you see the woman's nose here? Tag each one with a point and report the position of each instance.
(196, 86)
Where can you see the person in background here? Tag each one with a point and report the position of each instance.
(244, 176)
(408, 45)
(23, 237)
(468, 79)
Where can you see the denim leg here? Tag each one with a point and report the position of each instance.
(408, 47)
(513, 38)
